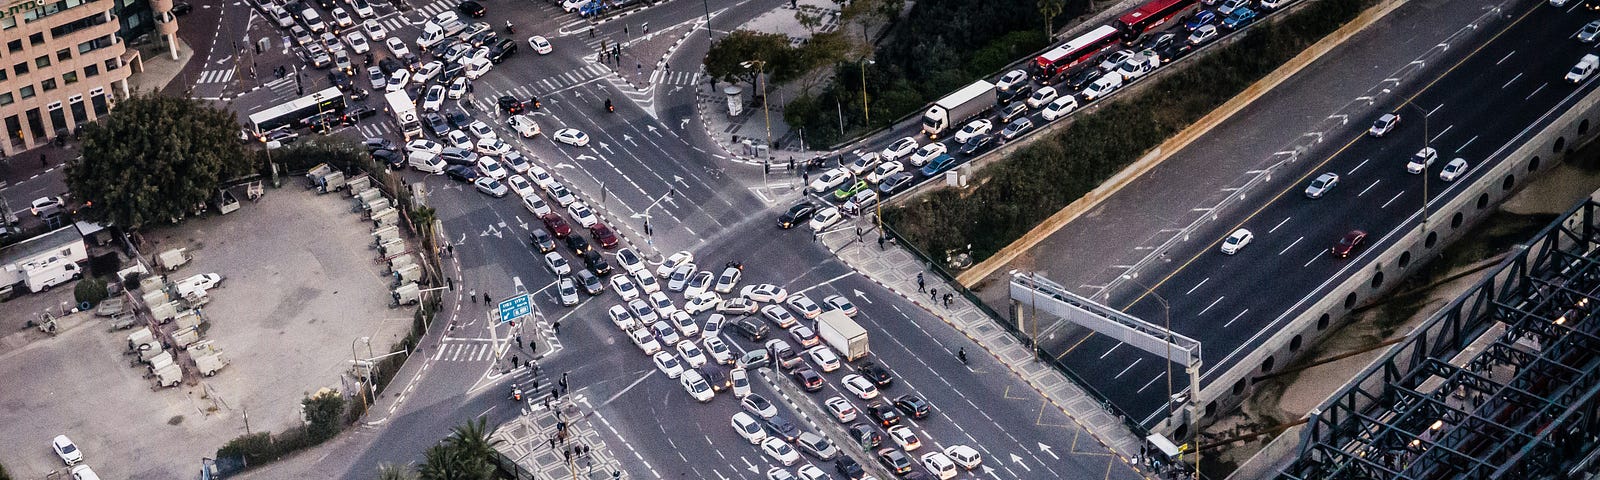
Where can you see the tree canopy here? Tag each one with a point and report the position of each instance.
(728, 57)
(153, 159)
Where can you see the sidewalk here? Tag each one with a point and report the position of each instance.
(896, 269)
(534, 442)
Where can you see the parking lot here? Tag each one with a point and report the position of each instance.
(301, 289)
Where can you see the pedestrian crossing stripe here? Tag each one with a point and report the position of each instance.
(216, 76)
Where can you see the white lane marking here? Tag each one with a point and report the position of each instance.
(1197, 286)
(1513, 79)
(1441, 134)
(1508, 55)
(1313, 259)
(1535, 91)
(1369, 187)
(1235, 318)
(1280, 224)
(1291, 245)
(1396, 196)
(1151, 382)
(1130, 367)
(1213, 304)
(1464, 145)
(1435, 109)
(1358, 167)
(1112, 349)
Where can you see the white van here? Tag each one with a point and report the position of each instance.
(426, 162)
(431, 35)
(1103, 86)
(1138, 66)
(1276, 4)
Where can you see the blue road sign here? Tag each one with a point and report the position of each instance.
(514, 308)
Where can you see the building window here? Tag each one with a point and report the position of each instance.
(48, 84)
(70, 77)
(35, 123)
(7, 98)
(58, 119)
(97, 98)
(14, 132)
(9, 22)
(26, 91)
(42, 61)
(21, 68)
(112, 64)
(15, 45)
(4, 75)
(79, 115)
(88, 71)
(63, 55)
(36, 39)
(95, 44)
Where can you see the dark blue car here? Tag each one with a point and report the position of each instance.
(1240, 18)
(1200, 19)
(938, 165)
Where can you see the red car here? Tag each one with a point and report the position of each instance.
(1349, 243)
(556, 225)
(603, 235)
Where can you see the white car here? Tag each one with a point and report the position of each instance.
(641, 311)
(823, 358)
(424, 145)
(728, 279)
(433, 98)
(1205, 33)
(939, 464)
(375, 30)
(810, 472)
(865, 162)
(342, 18)
(1454, 169)
(965, 456)
(358, 43)
(1322, 184)
(83, 472)
(523, 125)
(741, 382)
(804, 336)
(540, 45)
(829, 180)
(481, 130)
(1041, 97)
(491, 168)
(1422, 160)
(363, 8)
(397, 47)
(1229, 6)
(446, 17)
(478, 68)
(491, 187)
(1059, 107)
(972, 129)
(765, 292)
(661, 303)
(376, 79)
(332, 42)
(713, 325)
(67, 450)
(582, 214)
(1384, 125)
(1011, 79)
(1236, 241)
(691, 353)
(684, 323)
(825, 218)
(620, 317)
(860, 387)
(737, 306)
(573, 137)
(803, 304)
(398, 81)
(459, 139)
(905, 438)
(841, 409)
(747, 426)
(1589, 32)
(284, 18)
(645, 341)
(562, 196)
(46, 205)
(536, 205)
(899, 148)
(668, 364)
(647, 282)
(457, 89)
(780, 451)
(629, 259)
(884, 170)
(515, 161)
(542, 178)
(521, 186)
(672, 263)
(838, 302)
(927, 153)
(428, 71)
(624, 287)
(782, 318)
(718, 349)
(557, 264)
(699, 284)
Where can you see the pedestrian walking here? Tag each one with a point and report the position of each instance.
(451, 281)
(469, 87)
(564, 379)
(641, 68)
(450, 249)
(880, 241)
(919, 282)
(552, 439)
(485, 298)
(567, 452)
(43, 160)
(513, 361)
(591, 31)
(556, 327)
(791, 164)
(624, 29)
(473, 295)
(933, 294)
(519, 341)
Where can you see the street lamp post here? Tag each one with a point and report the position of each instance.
(355, 359)
(1194, 381)
(1426, 141)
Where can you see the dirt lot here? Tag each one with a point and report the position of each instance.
(302, 288)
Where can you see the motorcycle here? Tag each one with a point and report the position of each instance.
(609, 107)
(516, 393)
(510, 29)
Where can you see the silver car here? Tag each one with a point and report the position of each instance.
(568, 290)
(1589, 32)
(1322, 184)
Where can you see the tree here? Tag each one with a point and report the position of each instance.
(154, 159)
(474, 440)
(1051, 9)
(729, 58)
(323, 415)
(446, 462)
(389, 471)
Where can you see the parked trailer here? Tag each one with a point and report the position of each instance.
(843, 334)
(360, 183)
(386, 218)
(393, 247)
(408, 294)
(150, 350)
(184, 337)
(159, 360)
(189, 319)
(396, 263)
(111, 307)
(172, 259)
(168, 376)
(209, 363)
(153, 283)
(378, 205)
(385, 234)
(155, 297)
(139, 337)
(226, 202)
(408, 273)
(368, 195)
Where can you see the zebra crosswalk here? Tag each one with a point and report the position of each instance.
(216, 76)
(674, 77)
(464, 350)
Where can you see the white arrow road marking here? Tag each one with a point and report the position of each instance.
(1046, 449)
(684, 124)
(586, 157)
(564, 165)
(863, 296)
(652, 129)
(1018, 460)
(629, 139)
(680, 181)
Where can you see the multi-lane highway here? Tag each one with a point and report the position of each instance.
(1473, 107)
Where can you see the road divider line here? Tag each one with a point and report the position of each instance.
(1286, 249)
(1274, 228)
(1235, 318)
(1369, 187)
(1213, 304)
(1396, 196)
(1207, 279)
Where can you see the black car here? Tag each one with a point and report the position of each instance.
(388, 157)
(357, 94)
(716, 376)
(751, 329)
(596, 262)
(390, 65)
(796, 214)
(780, 427)
(543, 241)
(339, 79)
(181, 8)
(486, 37)
(510, 105)
(461, 173)
(379, 143)
(849, 468)
(878, 375)
(411, 61)
(1174, 51)
(472, 8)
(1013, 112)
(808, 379)
(357, 112)
(894, 183)
(1017, 92)
(977, 144)
(1081, 80)
(866, 436)
(1161, 41)
(913, 406)
(895, 461)
(502, 50)
(884, 414)
(456, 156)
(577, 244)
(458, 119)
(436, 124)
(591, 283)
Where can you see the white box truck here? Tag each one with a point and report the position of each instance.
(951, 111)
(405, 113)
(842, 334)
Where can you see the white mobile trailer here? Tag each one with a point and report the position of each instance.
(956, 108)
(843, 334)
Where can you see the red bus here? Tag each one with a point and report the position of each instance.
(1149, 16)
(1074, 52)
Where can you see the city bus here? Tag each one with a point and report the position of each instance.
(1074, 52)
(1150, 15)
(328, 101)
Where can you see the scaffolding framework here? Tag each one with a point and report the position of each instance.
(1502, 383)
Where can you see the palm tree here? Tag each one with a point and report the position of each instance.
(1051, 9)
(474, 440)
(394, 472)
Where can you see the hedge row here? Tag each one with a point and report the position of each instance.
(1019, 192)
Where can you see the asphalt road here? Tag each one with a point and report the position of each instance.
(1229, 303)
